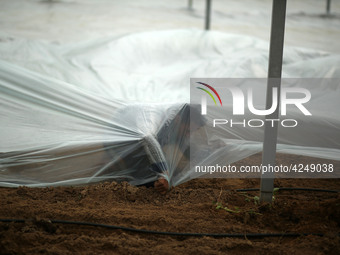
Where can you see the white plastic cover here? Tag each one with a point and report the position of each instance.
(117, 108)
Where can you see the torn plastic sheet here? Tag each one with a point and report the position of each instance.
(117, 108)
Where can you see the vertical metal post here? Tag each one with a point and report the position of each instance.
(190, 3)
(328, 6)
(274, 81)
(207, 14)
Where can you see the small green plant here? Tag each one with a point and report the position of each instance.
(248, 198)
(220, 206)
(256, 200)
(235, 210)
(252, 212)
(275, 191)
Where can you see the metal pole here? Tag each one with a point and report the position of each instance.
(274, 81)
(207, 14)
(328, 8)
(190, 3)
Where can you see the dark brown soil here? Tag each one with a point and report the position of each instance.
(201, 205)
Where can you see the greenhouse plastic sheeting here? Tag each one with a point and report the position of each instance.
(117, 108)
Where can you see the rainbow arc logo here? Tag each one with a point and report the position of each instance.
(209, 93)
(204, 98)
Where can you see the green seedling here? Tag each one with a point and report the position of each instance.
(252, 212)
(256, 198)
(248, 198)
(275, 191)
(220, 206)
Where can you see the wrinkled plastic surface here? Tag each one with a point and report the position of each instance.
(117, 108)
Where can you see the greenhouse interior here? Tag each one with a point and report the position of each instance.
(170, 127)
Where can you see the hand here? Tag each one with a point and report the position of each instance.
(162, 186)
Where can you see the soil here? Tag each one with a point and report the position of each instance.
(200, 205)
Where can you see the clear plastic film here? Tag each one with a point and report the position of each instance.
(118, 108)
(74, 137)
